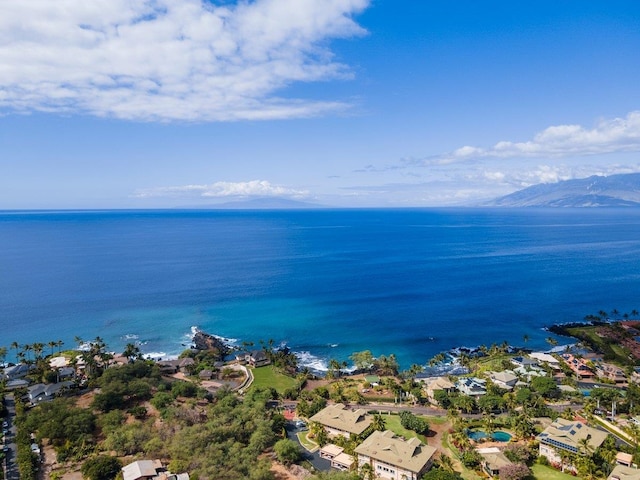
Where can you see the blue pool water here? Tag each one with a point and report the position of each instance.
(498, 436)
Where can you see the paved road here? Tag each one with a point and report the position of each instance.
(11, 472)
(321, 464)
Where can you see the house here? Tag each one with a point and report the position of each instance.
(394, 458)
(547, 359)
(471, 386)
(16, 371)
(621, 472)
(17, 383)
(177, 365)
(339, 420)
(505, 380)
(42, 393)
(568, 436)
(257, 358)
(493, 460)
(339, 460)
(625, 459)
(433, 384)
(613, 373)
(205, 375)
(524, 362)
(148, 470)
(578, 366)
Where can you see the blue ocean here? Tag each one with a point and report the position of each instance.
(413, 282)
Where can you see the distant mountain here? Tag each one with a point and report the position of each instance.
(262, 203)
(596, 191)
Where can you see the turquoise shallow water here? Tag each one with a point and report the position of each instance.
(326, 282)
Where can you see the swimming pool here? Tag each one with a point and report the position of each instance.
(498, 436)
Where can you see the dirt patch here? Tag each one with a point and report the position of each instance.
(84, 400)
(436, 432)
(294, 472)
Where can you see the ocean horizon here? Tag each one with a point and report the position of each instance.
(327, 283)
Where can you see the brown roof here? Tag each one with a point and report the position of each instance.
(411, 455)
(341, 418)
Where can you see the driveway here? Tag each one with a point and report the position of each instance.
(320, 464)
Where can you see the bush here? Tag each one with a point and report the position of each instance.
(515, 471)
(287, 451)
(101, 467)
(411, 422)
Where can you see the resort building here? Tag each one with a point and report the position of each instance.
(394, 458)
(621, 472)
(339, 420)
(335, 454)
(569, 436)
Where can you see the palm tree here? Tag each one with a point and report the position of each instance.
(16, 346)
(131, 352)
(378, 422)
(551, 341)
(445, 463)
(59, 344)
(634, 312)
(51, 344)
(27, 348)
(334, 367)
(37, 350)
(367, 472)
(3, 354)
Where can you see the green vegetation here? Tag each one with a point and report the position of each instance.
(270, 377)
(393, 423)
(101, 467)
(542, 472)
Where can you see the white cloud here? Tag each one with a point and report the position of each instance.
(522, 178)
(170, 59)
(608, 136)
(253, 188)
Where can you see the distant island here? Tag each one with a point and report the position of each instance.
(262, 203)
(596, 191)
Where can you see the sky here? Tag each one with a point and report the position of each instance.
(346, 103)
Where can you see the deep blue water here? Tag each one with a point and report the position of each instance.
(326, 282)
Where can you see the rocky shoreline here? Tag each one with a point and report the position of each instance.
(206, 342)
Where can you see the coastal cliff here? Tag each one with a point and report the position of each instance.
(206, 342)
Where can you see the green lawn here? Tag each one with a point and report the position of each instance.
(541, 472)
(306, 443)
(392, 423)
(268, 376)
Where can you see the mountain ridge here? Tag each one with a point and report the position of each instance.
(621, 190)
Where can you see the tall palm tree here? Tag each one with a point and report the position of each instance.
(27, 348)
(38, 348)
(59, 344)
(378, 423)
(3, 355)
(131, 352)
(445, 463)
(51, 344)
(16, 346)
